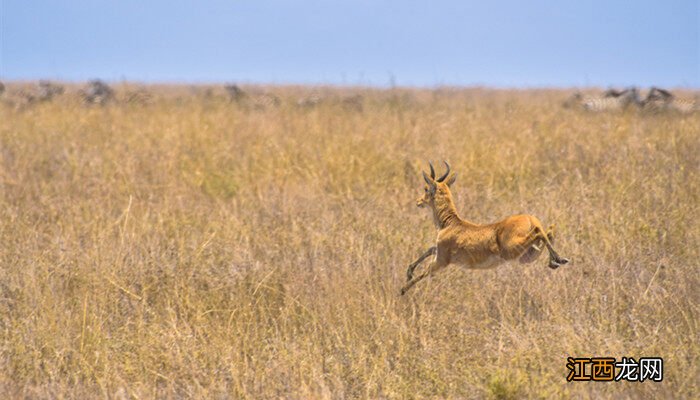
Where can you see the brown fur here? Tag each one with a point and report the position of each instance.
(478, 246)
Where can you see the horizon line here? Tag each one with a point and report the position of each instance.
(311, 84)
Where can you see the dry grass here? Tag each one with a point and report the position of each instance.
(196, 248)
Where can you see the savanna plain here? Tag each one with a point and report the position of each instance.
(194, 247)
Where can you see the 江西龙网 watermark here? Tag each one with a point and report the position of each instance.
(603, 369)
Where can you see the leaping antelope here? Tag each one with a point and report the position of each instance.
(476, 246)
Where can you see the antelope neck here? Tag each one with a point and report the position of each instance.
(444, 211)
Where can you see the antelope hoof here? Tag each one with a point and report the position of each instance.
(554, 264)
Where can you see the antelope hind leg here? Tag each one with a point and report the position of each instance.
(533, 252)
(534, 246)
(555, 260)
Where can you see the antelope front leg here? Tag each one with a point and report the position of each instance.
(432, 268)
(409, 273)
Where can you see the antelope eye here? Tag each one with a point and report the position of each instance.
(426, 190)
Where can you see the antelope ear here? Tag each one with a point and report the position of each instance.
(452, 179)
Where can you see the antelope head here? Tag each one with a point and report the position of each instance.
(436, 190)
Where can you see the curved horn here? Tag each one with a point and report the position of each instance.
(442, 178)
(432, 170)
(429, 181)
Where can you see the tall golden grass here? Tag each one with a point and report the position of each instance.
(198, 248)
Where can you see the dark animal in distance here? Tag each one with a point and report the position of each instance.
(97, 92)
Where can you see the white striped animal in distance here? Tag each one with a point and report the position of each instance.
(611, 100)
(310, 101)
(264, 101)
(661, 100)
(20, 99)
(24, 97)
(139, 97)
(252, 99)
(47, 90)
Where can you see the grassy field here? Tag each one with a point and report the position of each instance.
(195, 247)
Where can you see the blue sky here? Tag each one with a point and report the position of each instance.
(502, 43)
